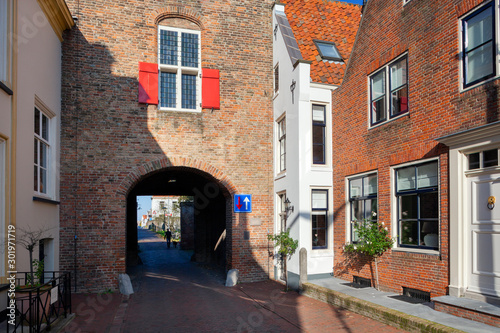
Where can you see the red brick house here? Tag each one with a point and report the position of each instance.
(416, 138)
(165, 98)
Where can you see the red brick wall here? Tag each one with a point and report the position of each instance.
(428, 31)
(109, 141)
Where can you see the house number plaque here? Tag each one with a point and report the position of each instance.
(491, 202)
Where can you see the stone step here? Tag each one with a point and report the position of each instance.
(467, 308)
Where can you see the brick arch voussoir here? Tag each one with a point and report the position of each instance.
(177, 12)
(138, 173)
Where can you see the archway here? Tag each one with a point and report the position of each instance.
(210, 212)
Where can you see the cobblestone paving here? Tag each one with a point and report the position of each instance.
(173, 294)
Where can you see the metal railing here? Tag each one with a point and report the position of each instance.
(36, 308)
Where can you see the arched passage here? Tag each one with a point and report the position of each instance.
(211, 209)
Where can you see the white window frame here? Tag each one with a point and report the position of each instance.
(281, 167)
(6, 20)
(496, 42)
(394, 206)
(348, 222)
(349, 225)
(179, 70)
(318, 211)
(276, 79)
(50, 192)
(325, 134)
(387, 92)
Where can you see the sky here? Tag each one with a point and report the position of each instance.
(144, 203)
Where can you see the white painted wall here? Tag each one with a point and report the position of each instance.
(301, 175)
(39, 73)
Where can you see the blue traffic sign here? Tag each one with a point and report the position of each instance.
(242, 203)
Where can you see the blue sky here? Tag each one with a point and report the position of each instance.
(144, 203)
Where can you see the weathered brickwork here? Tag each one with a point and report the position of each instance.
(428, 32)
(109, 140)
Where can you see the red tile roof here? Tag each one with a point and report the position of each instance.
(331, 21)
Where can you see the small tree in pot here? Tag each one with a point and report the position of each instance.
(286, 247)
(30, 239)
(373, 241)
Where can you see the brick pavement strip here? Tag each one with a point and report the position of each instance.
(374, 311)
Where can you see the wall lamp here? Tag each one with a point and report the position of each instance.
(288, 206)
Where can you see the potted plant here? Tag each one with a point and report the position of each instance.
(373, 241)
(286, 248)
(25, 294)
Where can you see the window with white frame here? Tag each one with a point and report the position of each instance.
(319, 133)
(276, 78)
(282, 211)
(363, 192)
(389, 91)
(5, 44)
(179, 67)
(42, 153)
(418, 205)
(319, 218)
(282, 143)
(478, 45)
(483, 159)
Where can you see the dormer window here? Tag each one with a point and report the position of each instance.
(328, 50)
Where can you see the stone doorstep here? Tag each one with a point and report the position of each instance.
(470, 309)
(374, 311)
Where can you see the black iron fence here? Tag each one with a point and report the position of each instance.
(36, 303)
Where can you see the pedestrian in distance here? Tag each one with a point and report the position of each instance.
(168, 237)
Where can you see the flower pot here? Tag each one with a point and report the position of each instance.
(34, 310)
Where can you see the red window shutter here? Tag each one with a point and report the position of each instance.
(148, 83)
(210, 92)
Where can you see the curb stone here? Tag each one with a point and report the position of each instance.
(377, 312)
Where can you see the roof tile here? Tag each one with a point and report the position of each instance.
(327, 20)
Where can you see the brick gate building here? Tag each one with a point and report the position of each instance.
(165, 98)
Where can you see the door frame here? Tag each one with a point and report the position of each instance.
(460, 144)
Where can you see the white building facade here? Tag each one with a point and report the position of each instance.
(30, 118)
(303, 174)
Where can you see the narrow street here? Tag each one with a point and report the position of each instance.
(173, 294)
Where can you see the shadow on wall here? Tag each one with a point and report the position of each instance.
(108, 142)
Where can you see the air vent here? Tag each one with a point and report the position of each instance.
(361, 282)
(422, 296)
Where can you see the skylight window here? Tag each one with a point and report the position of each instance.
(327, 50)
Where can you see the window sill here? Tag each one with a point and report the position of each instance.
(474, 86)
(180, 110)
(321, 253)
(46, 200)
(403, 250)
(321, 167)
(406, 114)
(280, 175)
(6, 89)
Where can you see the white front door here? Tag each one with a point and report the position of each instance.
(484, 235)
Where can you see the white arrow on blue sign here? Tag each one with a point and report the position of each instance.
(242, 203)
